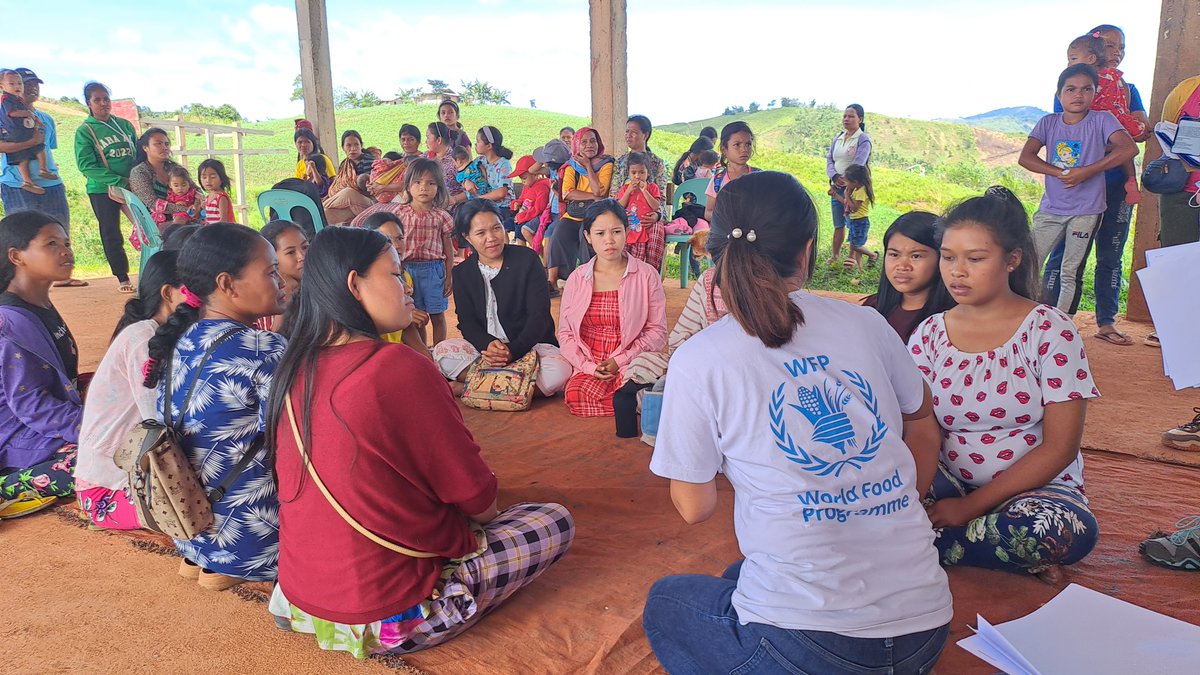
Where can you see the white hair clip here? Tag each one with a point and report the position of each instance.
(736, 233)
(751, 236)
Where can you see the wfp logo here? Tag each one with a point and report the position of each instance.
(824, 407)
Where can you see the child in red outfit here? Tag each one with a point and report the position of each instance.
(639, 197)
(1112, 95)
(534, 201)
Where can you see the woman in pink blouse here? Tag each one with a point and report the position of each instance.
(613, 309)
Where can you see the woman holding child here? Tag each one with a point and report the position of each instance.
(613, 309)
(228, 280)
(347, 193)
(827, 404)
(150, 177)
(423, 551)
(1011, 383)
(648, 240)
(502, 302)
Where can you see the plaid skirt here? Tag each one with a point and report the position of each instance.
(523, 541)
(600, 330)
(653, 249)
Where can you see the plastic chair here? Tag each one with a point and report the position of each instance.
(283, 201)
(147, 228)
(696, 186)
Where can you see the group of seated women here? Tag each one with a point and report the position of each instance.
(861, 466)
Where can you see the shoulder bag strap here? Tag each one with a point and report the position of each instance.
(187, 398)
(252, 452)
(338, 507)
(99, 150)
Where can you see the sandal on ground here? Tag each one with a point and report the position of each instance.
(872, 260)
(125, 287)
(1115, 337)
(849, 264)
(71, 283)
(31, 188)
(189, 570)
(27, 503)
(212, 581)
(1152, 341)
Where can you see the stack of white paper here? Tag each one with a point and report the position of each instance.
(1171, 283)
(1083, 631)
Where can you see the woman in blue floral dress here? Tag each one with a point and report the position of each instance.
(230, 279)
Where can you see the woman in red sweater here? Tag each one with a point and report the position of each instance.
(389, 539)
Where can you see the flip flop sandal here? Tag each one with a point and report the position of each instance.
(26, 504)
(1152, 341)
(1115, 338)
(849, 264)
(125, 287)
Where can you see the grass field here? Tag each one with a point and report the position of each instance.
(788, 139)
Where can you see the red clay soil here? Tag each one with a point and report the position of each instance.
(82, 601)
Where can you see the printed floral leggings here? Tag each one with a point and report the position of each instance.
(51, 478)
(1027, 534)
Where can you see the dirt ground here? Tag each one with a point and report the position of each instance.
(84, 601)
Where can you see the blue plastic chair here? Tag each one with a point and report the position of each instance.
(696, 186)
(283, 201)
(147, 228)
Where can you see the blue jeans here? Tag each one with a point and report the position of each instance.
(1109, 243)
(693, 628)
(839, 209)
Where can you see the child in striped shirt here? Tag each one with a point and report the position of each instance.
(218, 208)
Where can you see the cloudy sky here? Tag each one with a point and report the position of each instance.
(688, 59)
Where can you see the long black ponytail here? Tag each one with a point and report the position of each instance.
(220, 248)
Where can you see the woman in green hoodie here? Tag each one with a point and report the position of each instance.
(104, 152)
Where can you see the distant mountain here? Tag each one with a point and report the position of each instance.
(1010, 120)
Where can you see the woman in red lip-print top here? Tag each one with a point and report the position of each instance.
(1010, 383)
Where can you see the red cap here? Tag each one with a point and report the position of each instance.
(304, 124)
(523, 165)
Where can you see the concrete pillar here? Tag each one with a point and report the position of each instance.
(610, 87)
(1178, 59)
(316, 76)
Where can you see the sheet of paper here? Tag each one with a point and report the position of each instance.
(991, 646)
(1170, 284)
(1084, 631)
(1187, 138)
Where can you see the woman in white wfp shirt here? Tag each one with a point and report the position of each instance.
(817, 416)
(852, 146)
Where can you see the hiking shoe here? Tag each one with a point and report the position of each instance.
(1180, 550)
(212, 581)
(1185, 436)
(26, 503)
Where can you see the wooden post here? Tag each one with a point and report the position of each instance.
(1178, 59)
(181, 140)
(239, 176)
(610, 88)
(316, 77)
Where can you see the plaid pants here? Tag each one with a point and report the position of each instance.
(654, 248)
(522, 542)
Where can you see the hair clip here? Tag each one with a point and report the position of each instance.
(736, 233)
(1096, 34)
(147, 366)
(751, 236)
(189, 298)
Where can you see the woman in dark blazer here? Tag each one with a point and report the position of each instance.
(502, 303)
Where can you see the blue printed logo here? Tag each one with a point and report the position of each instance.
(824, 406)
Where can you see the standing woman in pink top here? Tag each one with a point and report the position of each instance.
(613, 309)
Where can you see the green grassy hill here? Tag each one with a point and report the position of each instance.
(789, 139)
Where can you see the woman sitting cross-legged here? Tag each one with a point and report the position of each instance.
(502, 302)
(613, 309)
(39, 400)
(1011, 382)
(116, 399)
(812, 409)
(390, 538)
(228, 281)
